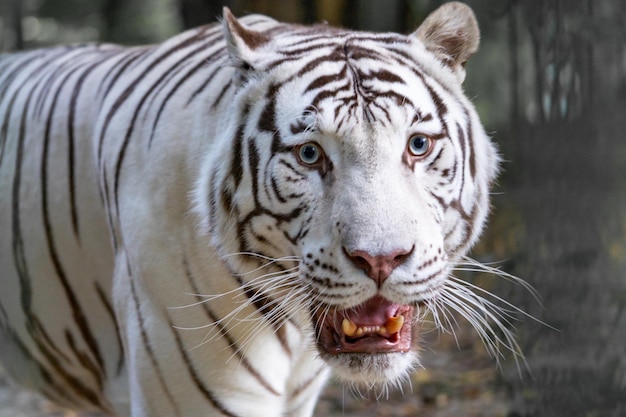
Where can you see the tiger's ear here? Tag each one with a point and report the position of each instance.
(451, 33)
(242, 44)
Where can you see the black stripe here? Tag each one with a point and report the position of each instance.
(77, 312)
(71, 140)
(325, 94)
(46, 340)
(236, 167)
(148, 348)
(267, 120)
(121, 98)
(432, 163)
(71, 59)
(105, 190)
(333, 56)
(51, 389)
(267, 307)
(182, 80)
(322, 81)
(312, 46)
(222, 93)
(323, 34)
(253, 166)
(75, 384)
(224, 333)
(468, 225)
(300, 389)
(421, 281)
(128, 58)
(19, 255)
(109, 309)
(210, 396)
(218, 68)
(18, 89)
(383, 76)
(85, 360)
(277, 193)
(122, 151)
(470, 141)
(18, 68)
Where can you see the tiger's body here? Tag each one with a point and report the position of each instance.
(210, 225)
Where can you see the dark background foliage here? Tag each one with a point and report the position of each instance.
(550, 85)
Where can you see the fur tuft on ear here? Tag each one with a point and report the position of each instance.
(242, 43)
(451, 33)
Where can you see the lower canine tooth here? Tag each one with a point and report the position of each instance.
(394, 324)
(349, 328)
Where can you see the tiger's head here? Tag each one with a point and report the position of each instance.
(353, 169)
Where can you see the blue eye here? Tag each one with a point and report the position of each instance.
(309, 153)
(420, 145)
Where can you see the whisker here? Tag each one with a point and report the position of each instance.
(264, 280)
(483, 315)
(472, 265)
(509, 312)
(295, 297)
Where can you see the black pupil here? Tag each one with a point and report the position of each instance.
(309, 153)
(418, 143)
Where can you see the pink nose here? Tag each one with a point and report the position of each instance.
(378, 267)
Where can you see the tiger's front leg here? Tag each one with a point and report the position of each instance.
(201, 360)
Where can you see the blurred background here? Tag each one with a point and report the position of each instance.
(549, 83)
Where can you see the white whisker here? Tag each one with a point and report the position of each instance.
(472, 265)
(483, 316)
(490, 315)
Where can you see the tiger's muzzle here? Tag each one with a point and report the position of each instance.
(376, 326)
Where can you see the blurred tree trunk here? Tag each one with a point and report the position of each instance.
(535, 17)
(514, 57)
(376, 15)
(134, 22)
(110, 12)
(331, 11)
(588, 58)
(200, 12)
(310, 14)
(16, 16)
(561, 35)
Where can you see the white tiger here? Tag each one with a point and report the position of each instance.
(209, 226)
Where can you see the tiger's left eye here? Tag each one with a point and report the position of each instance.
(309, 153)
(420, 145)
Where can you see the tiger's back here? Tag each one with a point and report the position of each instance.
(187, 233)
(56, 271)
(62, 110)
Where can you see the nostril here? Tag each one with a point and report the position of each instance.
(359, 259)
(361, 263)
(378, 267)
(401, 257)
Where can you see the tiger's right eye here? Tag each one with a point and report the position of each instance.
(420, 145)
(309, 154)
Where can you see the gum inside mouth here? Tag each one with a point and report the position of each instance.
(376, 326)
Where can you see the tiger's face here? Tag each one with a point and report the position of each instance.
(357, 174)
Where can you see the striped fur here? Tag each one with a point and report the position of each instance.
(183, 222)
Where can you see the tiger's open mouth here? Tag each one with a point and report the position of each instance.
(376, 326)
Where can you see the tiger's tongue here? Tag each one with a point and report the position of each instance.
(374, 312)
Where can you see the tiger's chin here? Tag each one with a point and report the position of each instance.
(373, 343)
(372, 370)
